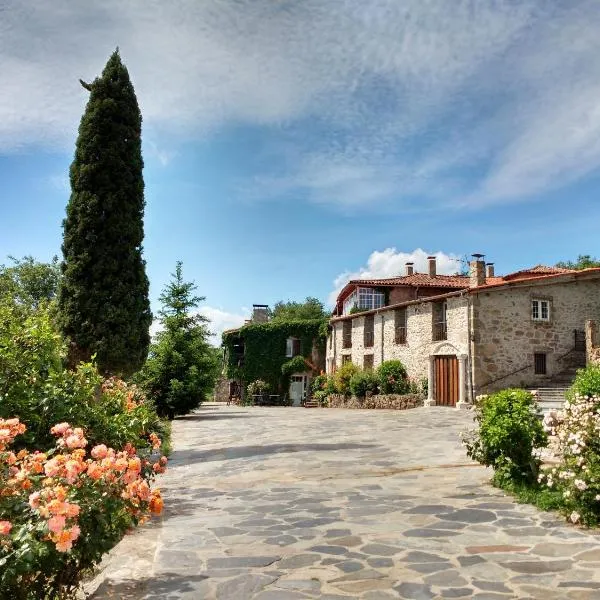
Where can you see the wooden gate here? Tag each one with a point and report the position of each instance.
(446, 380)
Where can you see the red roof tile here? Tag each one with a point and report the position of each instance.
(418, 279)
(537, 271)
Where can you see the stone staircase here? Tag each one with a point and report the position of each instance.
(551, 398)
(552, 394)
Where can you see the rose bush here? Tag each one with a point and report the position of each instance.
(577, 430)
(61, 510)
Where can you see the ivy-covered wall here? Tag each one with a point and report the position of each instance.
(257, 350)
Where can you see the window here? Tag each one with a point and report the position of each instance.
(369, 331)
(539, 363)
(347, 334)
(368, 362)
(540, 310)
(346, 358)
(400, 325)
(440, 325)
(364, 299)
(292, 347)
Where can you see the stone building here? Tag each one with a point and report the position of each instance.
(468, 334)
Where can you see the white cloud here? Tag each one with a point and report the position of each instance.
(391, 263)
(448, 103)
(220, 321)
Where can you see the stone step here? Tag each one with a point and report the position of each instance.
(311, 404)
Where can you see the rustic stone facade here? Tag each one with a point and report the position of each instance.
(505, 337)
(419, 344)
(490, 330)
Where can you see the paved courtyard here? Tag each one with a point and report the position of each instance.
(289, 503)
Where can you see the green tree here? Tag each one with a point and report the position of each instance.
(29, 283)
(103, 298)
(182, 367)
(311, 308)
(584, 261)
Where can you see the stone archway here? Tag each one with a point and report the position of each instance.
(446, 349)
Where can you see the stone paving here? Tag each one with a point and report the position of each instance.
(290, 504)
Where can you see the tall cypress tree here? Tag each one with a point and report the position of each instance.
(103, 298)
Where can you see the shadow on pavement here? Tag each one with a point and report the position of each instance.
(235, 452)
(156, 588)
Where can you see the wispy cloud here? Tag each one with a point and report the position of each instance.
(391, 262)
(448, 103)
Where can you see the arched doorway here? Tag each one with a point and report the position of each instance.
(447, 376)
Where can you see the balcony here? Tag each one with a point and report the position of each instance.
(369, 340)
(440, 331)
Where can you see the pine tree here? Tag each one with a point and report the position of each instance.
(103, 297)
(182, 367)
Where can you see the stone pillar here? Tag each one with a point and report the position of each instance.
(463, 401)
(430, 383)
(591, 340)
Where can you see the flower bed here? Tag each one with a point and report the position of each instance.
(64, 508)
(378, 401)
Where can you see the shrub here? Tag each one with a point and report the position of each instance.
(577, 429)
(258, 388)
(63, 509)
(392, 378)
(508, 432)
(363, 382)
(35, 386)
(342, 378)
(587, 382)
(323, 383)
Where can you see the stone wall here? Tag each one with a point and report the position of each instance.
(419, 343)
(379, 401)
(221, 392)
(592, 343)
(506, 338)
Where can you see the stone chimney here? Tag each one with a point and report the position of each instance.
(490, 270)
(260, 313)
(432, 266)
(410, 268)
(477, 270)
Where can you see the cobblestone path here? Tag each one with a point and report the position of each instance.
(290, 504)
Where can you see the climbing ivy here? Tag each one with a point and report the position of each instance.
(257, 350)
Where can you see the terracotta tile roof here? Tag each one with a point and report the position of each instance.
(418, 279)
(537, 271)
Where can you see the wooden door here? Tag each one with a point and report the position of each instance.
(446, 380)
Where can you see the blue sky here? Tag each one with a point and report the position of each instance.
(291, 145)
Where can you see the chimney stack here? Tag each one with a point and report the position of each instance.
(477, 270)
(260, 313)
(410, 268)
(490, 270)
(432, 266)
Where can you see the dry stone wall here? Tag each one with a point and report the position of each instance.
(379, 401)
